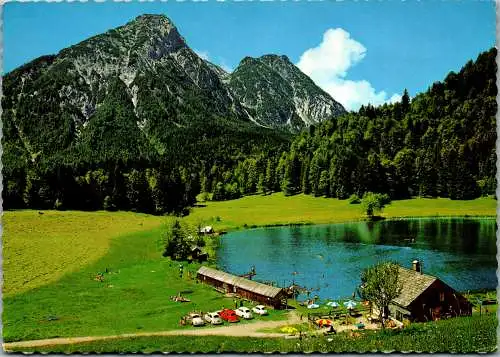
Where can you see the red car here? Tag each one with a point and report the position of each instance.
(229, 315)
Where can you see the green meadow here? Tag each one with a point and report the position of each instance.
(278, 209)
(51, 261)
(40, 248)
(134, 296)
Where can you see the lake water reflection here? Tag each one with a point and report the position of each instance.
(330, 258)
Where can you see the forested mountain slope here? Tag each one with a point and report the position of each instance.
(440, 143)
(134, 119)
(126, 119)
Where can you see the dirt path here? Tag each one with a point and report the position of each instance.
(239, 330)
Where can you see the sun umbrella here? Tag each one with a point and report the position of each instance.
(350, 304)
(323, 322)
(313, 306)
(332, 304)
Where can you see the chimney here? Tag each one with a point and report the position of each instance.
(416, 266)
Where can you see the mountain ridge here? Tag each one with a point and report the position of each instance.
(145, 46)
(288, 94)
(132, 108)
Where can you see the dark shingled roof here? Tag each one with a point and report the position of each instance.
(414, 284)
(249, 285)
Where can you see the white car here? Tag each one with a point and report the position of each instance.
(244, 312)
(196, 320)
(213, 318)
(260, 310)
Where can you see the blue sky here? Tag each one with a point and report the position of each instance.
(366, 51)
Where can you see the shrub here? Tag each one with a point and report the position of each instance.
(354, 199)
(374, 202)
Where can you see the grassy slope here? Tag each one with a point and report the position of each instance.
(467, 334)
(133, 297)
(277, 209)
(41, 248)
(67, 249)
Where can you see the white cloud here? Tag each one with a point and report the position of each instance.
(328, 65)
(395, 98)
(334, 56)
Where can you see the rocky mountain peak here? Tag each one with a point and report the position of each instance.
(154, 19)
(159, 32)
(247, 60)
(274, 58)
(166, 84)
(276, 93)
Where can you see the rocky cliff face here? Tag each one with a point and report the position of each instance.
(149, 45)
(168, 85)
(278, 94)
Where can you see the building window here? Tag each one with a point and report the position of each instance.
(441, 297)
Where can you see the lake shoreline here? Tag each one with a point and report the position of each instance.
(325, 251)
(277, 210)
(384, 219)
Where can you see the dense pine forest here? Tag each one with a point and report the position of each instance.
(439, 143)
(108, 170)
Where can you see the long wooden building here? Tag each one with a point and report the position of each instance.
(248, 289)
(425, 297)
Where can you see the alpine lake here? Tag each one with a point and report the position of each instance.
(328, 259)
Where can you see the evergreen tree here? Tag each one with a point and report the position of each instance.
(261, 187)
(269, 181)
(306, 186)
(177, 244)
(291, 179)
(323, 184)
(405, 102)
(137, 191)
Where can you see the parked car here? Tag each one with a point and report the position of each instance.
(244, 312)
(260, 310)
(195, 319)
(229, 315)
(213, 318)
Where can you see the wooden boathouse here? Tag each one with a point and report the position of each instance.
(425, 298)
(248, 289)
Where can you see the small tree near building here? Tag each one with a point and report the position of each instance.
(380, 285)
(176, 242)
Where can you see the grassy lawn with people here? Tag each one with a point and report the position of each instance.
(460, 335)
(133, 296)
